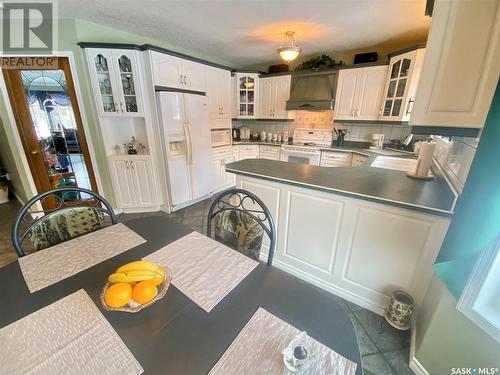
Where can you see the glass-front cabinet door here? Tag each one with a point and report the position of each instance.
(394, 105)
(246, 95)
(126, 77)
(100, 62)
(115, 81)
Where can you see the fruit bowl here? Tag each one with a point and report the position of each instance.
(132, 306)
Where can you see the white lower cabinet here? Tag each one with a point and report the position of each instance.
(221, 157)
(360, 250)
(358, 160)
(335, 159)
(133, 181)
(242, 152)
(269, 152)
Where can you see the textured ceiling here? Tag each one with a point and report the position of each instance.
(245, 33)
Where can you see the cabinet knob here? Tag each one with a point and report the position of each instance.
(352, 112)
(185, 76)
(34, 152)
(132, 164)
(126, 165)
(121, 107)
(356, 112)
(180, 79)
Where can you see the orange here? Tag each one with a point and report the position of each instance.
(144, 292)
(118, 295)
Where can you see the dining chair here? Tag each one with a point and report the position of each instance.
(74, 212)
(240, 221)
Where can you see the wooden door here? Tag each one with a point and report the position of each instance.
(127, 82)
(266, 97)
(122, 182)
(282, 94)
(50, 126)
(193, 76)
(141, 173)
(167, 70)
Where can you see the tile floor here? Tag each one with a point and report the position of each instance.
(384, 352)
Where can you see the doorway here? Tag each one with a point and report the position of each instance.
(50, 126)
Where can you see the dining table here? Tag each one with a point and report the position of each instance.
(175, 335)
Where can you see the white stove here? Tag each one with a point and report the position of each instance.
(306, 145)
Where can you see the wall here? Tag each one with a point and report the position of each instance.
(383, 49)
(445, 338)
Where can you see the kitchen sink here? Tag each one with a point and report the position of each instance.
(398, 164)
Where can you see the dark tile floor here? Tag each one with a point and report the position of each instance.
(384, 350)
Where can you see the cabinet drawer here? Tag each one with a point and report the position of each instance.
(337, 156)
(249, 149)
(358, 159)
(222, 152)
(332, 163)
(274, 150)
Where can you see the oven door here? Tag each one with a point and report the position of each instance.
(300, 156)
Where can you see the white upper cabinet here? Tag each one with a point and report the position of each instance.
(219, 97)
(115, 80)
(274, 93)
(401, 85)
(461, 66)
(174, 72)
(247, 95)
(359, 93)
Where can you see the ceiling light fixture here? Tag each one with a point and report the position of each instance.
(289, 51)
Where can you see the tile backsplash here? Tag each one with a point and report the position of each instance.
(324, 119)
(455, 156)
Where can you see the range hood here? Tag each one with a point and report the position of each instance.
(313, 91)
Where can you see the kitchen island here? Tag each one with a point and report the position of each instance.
(359, 232)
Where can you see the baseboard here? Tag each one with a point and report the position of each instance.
(415, 365)
(138, 210)
(328, 287)
(18, 199)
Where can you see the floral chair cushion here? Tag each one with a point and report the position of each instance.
(239, 231)
(64, 225)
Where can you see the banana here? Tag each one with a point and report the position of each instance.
(141, 265)
(136, 275)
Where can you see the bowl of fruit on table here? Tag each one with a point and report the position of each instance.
(135, 286)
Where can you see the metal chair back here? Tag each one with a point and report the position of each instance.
(31, 214)
(250, 204)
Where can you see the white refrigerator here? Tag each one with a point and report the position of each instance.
(186, 144)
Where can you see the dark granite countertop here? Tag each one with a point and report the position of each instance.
(364, 182)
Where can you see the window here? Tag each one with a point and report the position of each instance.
(480, 300)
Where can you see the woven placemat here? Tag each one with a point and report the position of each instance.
(258, 350)
(58, 262)
(203, 269)
(70, 336)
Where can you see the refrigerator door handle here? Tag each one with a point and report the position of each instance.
(189, 151)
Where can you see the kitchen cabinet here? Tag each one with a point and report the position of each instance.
(115, 80)
(219, 97)
(242, 152)
(246, 95)
(359, 93)
(461, 67)
(175, 72)
(357, 249)
(221, 157)
(358, 160)
(133, 181)
(273, 94)
(335, 159)
(269, 152)
(401, 85)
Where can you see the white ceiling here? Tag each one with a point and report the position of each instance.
(244, 33)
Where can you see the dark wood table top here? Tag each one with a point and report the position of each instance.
(176, 336)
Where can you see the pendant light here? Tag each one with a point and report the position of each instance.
(289, 51)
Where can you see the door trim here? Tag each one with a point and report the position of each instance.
(19, 149)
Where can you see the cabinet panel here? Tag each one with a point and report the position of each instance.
(141, 173)
(379, 239)
(346, 93)
(100, 62)
(266, 97)
(318, 234)
(122, 182)
(282, 94)
(461, 67)
(167, 70)
(370, 92)
(194, 76)
(127, 82)
(246, 95)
